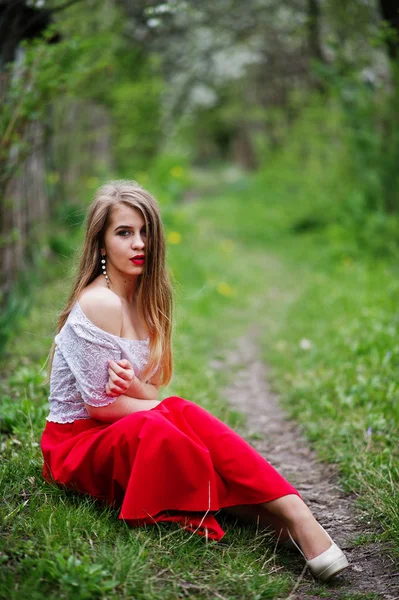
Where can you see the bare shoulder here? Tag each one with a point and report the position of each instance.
(103, 308)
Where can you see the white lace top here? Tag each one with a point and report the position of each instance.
(80, 370)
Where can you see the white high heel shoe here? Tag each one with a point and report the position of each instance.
(327, 564)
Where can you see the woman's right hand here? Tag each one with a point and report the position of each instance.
(121, 375)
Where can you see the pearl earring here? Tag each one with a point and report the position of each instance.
(104, 269)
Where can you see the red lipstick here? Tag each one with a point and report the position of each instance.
(138, 260)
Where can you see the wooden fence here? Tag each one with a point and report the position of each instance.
(73, 144)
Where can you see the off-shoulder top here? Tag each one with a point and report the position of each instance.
(80, 367)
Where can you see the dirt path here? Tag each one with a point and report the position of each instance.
(281, 442)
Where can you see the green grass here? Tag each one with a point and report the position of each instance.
(236, 262)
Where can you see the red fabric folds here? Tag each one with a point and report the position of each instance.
(176, 462)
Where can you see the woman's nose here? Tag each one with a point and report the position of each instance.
(138, 241)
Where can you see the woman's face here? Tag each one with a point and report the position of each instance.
(125, 238)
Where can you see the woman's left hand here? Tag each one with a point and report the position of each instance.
(121, 375)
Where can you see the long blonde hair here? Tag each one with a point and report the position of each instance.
(153, 289)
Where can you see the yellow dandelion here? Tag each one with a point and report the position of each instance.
(225, 289)
(177, 172)
(174, 237)
(227, 246)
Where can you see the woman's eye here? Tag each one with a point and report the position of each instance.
(123, 231)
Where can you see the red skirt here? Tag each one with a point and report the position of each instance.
(175, 462)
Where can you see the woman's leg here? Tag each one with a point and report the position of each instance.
(288, 512)
(256, 514)
(303, 527)
(236, 461)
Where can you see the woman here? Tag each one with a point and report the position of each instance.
(108, 434)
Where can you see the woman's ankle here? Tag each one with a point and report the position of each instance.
(312, 538)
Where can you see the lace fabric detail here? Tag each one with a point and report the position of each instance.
(80, 371)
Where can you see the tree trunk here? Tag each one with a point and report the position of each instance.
(243, 150)
(390, 13)
(314, 43)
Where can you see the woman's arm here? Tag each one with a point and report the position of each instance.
(142, 391)
(121, 407)
(122, 380)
